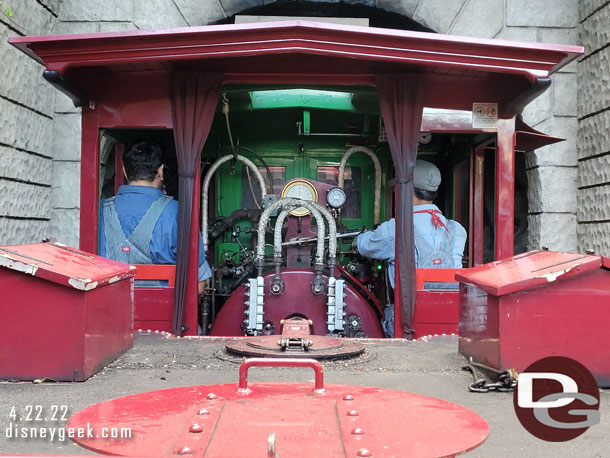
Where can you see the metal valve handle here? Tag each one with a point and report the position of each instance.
(281, 362)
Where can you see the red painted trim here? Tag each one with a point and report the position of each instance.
(119, 178)
(322, 79)
(434, 275)
(89, 181)
(166, 272)
(505, 189)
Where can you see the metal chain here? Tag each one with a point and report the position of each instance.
(506, 381)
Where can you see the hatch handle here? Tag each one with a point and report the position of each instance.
(281, 362)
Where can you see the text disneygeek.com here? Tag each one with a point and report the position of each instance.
(51, 433)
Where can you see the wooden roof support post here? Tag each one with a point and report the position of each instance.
(89, 181)
(505, 189)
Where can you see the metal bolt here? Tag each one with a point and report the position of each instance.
(196, 428)
(203, 412)
(357, 432)
(185, 451)
(211, 396)
(353, 413)
(364, 452)
(348, 397)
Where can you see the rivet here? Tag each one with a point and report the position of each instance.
(185, 451)
(364, 452)
(204, 412)
(357, 432)
(348, 397)
(196, 428)
(353, 413)
(149, 331)
(211, 396)
(139, 330)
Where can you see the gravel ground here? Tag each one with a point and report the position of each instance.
(430, 368)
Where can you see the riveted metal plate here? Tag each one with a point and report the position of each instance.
(291, 419)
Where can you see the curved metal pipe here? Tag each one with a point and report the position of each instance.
(332, 236)
(206, 185)
(376, 164)
(291, 203)
(279, 223)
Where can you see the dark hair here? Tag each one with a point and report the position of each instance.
(424, 195)
(142, 161)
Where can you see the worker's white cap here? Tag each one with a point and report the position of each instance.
(426, 176)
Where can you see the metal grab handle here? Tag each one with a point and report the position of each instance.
(281, 362)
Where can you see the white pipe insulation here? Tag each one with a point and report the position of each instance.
(206, 185)
(369, 152)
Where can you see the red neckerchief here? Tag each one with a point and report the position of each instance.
(435, 219)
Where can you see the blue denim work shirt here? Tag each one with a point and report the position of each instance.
(130, 203)
(380, 243)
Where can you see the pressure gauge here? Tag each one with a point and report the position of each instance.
(300, 189)
(335, 197)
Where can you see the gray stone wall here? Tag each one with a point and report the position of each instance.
(594, 128)
(26, 126)
(551, 171)
(552, 208)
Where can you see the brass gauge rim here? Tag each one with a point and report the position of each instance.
(300, 211)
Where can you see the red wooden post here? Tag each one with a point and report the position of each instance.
(191, 300)
(505, 188)
(89, 181)
(478, 205)
(398, 331)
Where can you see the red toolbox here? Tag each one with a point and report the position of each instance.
(537, 304)
(65, 313)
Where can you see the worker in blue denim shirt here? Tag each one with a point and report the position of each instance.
(140, 224)
(439, 242)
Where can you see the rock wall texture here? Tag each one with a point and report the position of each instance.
(26, 126)
(594, 128)
(56, 138)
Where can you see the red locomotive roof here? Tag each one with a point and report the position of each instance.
(363, 43)
(313, 53)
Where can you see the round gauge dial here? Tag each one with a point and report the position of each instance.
(336, 197)
(300, 189)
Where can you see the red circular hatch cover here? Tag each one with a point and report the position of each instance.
(275, 419)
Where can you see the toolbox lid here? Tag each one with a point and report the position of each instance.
(527, 270)
(64, 265)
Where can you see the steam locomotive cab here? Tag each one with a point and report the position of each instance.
(289, 178)
(281, 222)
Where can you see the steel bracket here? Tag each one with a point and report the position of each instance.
(255, 305)
(335, 311)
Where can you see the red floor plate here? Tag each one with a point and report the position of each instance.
(298, 421)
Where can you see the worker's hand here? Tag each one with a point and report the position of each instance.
(355, 245)
(201, 287)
